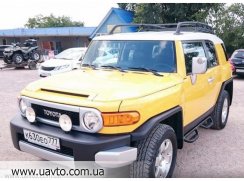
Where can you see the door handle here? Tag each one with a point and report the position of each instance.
(210, 80)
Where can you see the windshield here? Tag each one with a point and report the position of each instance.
(70, 54)
(238, 54)
(132, 55)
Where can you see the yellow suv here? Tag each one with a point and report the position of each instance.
(135, 100)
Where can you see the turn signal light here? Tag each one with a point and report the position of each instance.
(120, 119)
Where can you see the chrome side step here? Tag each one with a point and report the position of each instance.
(208, 123)
(192, 136)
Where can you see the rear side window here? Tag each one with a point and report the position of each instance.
(192, 49)
(211, 55)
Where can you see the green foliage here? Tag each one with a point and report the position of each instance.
(229, 25)
(227, 21)
(169, 12)
(41, 21)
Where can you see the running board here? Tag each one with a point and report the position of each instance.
(191, 136)
(208, 123)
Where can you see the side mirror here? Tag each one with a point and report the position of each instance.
(199, 65)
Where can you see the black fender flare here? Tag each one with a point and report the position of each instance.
(144, 130)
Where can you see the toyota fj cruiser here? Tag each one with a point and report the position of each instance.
(134, 108)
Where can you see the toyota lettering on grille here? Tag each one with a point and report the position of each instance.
(52, 113)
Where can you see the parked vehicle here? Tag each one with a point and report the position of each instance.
(136, 111)
(65, 61)
(237, 60)
(109, 55)
(2, 47)
(17, 54)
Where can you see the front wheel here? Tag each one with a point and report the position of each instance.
(156, 154)
(221, 111)
(18, 58)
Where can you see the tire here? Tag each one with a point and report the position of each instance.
(36, 56)
(18, 58)
(148, 153)
(221, 112)
(32, 65)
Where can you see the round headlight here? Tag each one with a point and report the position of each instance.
(65, 122)
(92, 122)
(22, 106)
(30, 115)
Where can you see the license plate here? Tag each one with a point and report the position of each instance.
(239, 70)
(43, 140)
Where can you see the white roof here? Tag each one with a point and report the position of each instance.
(165, 35)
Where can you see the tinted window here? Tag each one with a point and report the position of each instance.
(192, 49)
(238, 54)
(149, 54)
(210, 50)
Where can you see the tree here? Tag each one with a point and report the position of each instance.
(229, 25)
(40, 21)
(170, 12)
(227, 21)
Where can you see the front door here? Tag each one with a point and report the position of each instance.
(198, 93)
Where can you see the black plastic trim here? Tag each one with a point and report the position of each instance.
(141, 132)
(84, 145)
(197, 122)
(224, 85)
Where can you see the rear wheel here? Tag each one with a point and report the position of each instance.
(221, 111)
(32, 65)
(18, 58)
(35, 56)
(156, 154)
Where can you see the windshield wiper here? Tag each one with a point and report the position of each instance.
(145, 70)
(113, 67)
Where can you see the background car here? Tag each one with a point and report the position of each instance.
(2, 47)
(65, 61)
(108, 55)
(237, 60)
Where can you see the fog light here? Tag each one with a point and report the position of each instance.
(30, 115)
(65, 122)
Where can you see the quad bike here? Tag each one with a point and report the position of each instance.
(18, 55)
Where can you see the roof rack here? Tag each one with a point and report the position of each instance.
(189, 26)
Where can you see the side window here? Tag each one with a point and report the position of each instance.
(192, 49)
(210, 50)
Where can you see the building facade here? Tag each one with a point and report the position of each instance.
(60, 38)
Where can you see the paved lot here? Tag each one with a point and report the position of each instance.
(214, 154)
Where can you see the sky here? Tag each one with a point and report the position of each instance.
(15, 13)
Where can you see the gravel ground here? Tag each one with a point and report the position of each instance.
(214, 154)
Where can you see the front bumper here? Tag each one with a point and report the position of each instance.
(106, 150)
